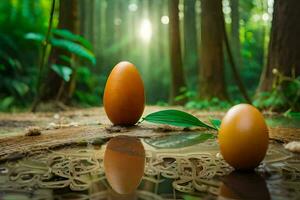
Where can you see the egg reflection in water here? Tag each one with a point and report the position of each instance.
(239, 185)
(124, 163)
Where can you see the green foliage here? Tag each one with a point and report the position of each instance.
(254, 37)
(14, 85)
(65, 58)
(74, 48)
(73, 43)
(63, 71)
(186, 94)
(18, 59)
(285, 94)
(88, 88)
(291, 114)
(289, 119)
(179, 140)
(176, 118)
(162, 103)
(76, 45)
(266, 100)
(23, 24)
(20, 87)
(68, 35)
(22, 32)
(195, 102)
(35, 37)
(6, 102)
(213, 104)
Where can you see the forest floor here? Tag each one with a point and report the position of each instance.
(27, 133)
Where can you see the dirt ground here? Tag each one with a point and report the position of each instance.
(27, 133)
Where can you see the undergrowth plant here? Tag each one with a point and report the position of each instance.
(71, 43)
(16, 63)
(75, 48)
(284, 96)
(194, 102)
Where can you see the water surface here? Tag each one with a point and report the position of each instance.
(191, 172)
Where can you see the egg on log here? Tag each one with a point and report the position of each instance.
(124, 163)
(243, 137)
(124, 98)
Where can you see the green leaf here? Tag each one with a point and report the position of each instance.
(34, 36)
(66, 34)
(178, 141)
(176, 118)
(216, 123)
(292, 114)
(20, 87)
(65, 58)
(63, 71)
(7, 41)
(6, 102)
(74, 48)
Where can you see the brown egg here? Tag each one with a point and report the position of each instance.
(243, 137)
(124, 98)
(124, 163)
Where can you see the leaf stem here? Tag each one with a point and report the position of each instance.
(43, 57)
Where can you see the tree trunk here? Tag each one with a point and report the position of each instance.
(284, 45)
(154, 54)
(54, 88)
(177, 74)
(235, 31)
(118, 37)
(108, 58)
(190, 42)
(97, 17)
(212, 81)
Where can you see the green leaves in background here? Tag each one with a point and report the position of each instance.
(6, 102)
(63, 71)
(20, 87)
(65, 58)
(68, 35)
(69, 41)
(179, 141)
(294, 115)
(176, 118)
(74, 48)
(35, 37)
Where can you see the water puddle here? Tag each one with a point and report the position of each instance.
(142, 171)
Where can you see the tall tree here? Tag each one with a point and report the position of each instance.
(212, 81)
(154, 46)
(110, 23)
(87, 18)
(190, 41)
(177, 74)
(54, 87)
(284, 45)
(97, 19)
(235, 31)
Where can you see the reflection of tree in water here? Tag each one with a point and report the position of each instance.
(78, 174)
